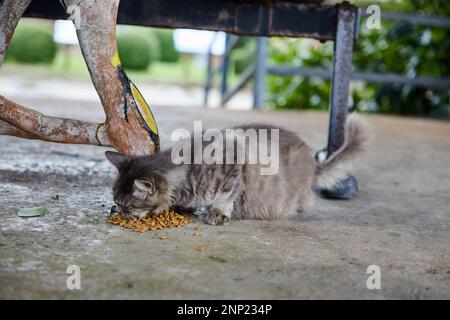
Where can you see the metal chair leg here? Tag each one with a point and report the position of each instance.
(259, 86)
(224, 70)
(342, 68)
(208, 81)
(209, 72)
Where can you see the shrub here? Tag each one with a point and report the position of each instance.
(244, 42)
(395, 48)
(297, 92)
(243, 55)
(168, 53)
(241, 59)
(32, 44)
(137, 50)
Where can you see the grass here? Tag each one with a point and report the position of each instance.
(70, 63)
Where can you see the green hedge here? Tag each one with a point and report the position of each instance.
(167, 46)
(137, 48)
(32, 44)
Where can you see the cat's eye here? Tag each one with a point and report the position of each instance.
(140, 208)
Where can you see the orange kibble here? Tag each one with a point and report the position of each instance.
(167, 219)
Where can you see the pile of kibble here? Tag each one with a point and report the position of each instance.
(167, 219)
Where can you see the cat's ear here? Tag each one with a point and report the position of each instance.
(144, 187)
(115, 158)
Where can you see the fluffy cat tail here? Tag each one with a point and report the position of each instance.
(357, 138)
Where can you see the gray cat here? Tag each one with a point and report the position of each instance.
(153, 184)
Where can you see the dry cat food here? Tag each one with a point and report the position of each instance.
(167, 219)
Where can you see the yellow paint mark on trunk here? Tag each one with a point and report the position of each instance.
(144, 109)
(115, 60)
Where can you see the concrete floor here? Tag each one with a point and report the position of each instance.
(400, 222)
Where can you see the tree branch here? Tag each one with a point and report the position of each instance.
(130, 126)
(23, 122)
(10, 13)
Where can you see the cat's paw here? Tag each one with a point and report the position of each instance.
(217, 217)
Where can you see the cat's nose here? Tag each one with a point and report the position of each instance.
(114, 209)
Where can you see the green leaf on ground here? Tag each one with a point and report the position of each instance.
(32, 212)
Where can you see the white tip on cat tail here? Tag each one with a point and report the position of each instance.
(358, 135)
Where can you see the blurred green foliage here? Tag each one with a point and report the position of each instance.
(295, 92)
(168, 53)
(243, 54)
(396, 48)
(138, 47)
(32, 43)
